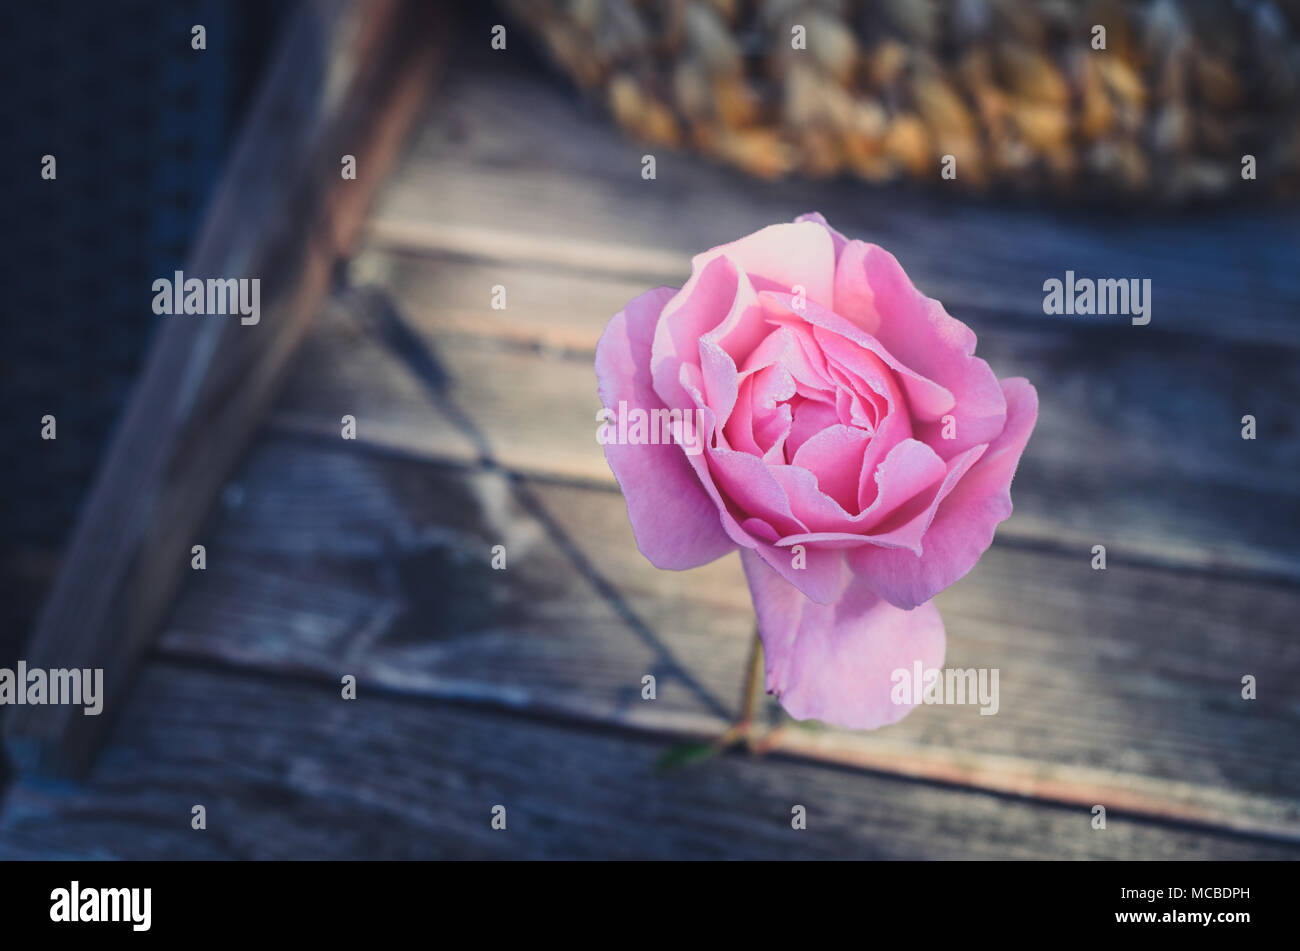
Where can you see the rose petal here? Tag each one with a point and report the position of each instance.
(873, 291)
(739, 429)
(837, 239)
(907, 524)
(836, 662)
(808, 419)
(911, 470)
(822, 577)
(781, 257)
(704, 301)
(747, 482)
(743, 329)
(963, 525)
(929, 400)
(834, 456)
(675, 523)
(701, 463)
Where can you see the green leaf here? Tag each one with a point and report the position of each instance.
(812, 726)
(683, 754)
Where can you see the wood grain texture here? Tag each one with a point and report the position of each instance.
(1119, 687)
(290, 771)
(282, 215)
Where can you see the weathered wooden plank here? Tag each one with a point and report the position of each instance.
(539, 179)
(291, 771)
(1138, 445)
(282, 216)
(1119, 687)
(546, 307)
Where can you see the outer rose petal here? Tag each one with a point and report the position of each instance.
(821, 580)
(704, 301)
(963, 526)
(837, 239)
(800, 253)
(675, 522)
(835, 662)
(921, 334)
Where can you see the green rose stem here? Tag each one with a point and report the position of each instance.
(743, 728)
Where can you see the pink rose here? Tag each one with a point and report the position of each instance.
(854, 449)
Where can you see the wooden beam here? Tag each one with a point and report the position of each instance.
(347, 79)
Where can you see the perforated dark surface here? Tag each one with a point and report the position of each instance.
(139, 124)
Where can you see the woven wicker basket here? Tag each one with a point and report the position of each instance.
(1019, 94)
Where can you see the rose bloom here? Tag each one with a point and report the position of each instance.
(855, 450)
